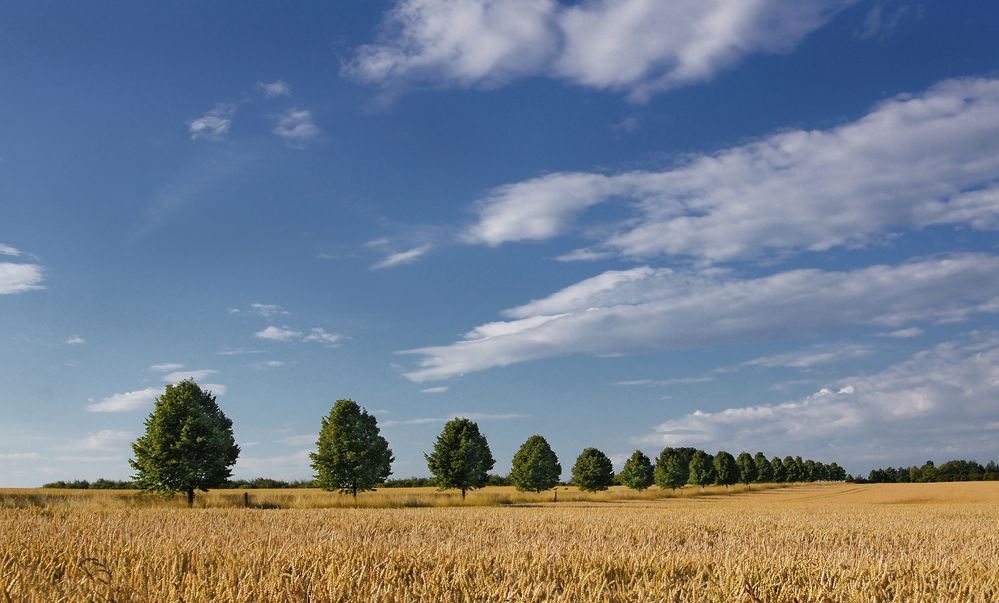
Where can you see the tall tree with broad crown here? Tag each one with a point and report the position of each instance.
(779, 470)
(351, 456)
(535, 466)
(593, 471)
(726, 471)
(747, 468)
(764, 470)
(701, 472)
(637, 472)
(188, 444)
(461, 457)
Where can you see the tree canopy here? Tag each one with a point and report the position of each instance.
(461, 457)
(593, 471)
(188, 444)
(351, 455)
(637, 472)
(747, 468)
(726, 471)
(535, 466)
(701, 471)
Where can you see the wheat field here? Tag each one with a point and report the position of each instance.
(832, 542)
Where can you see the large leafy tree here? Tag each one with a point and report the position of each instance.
(673, 467)
(593, 471)
(701, 472)
(637, 472)
(535, 466)
(779, 470)
(461, 457)
(764, 470)
(747, 468)
(188, 444)
(352, 456)
(726, 471)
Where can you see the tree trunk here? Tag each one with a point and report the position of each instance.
(190, 499)
(354, 492)
(556, 495)
(462, 494)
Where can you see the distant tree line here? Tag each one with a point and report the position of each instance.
(189, 446)
(951, 471)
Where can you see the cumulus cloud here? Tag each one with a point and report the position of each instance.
(296, 127)
(18, 278)
(635, 46)
(941, 403)
(913, 161)
(318, 335)
(273, 333)
(127, 401)
(213, 125)
(275, 88)
(403, 257)
(647, 309)
(8, 250)
(75, 340)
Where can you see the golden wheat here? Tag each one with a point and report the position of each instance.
(898, 542)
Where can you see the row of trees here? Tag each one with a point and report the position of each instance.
(189, 445)
(951, 471)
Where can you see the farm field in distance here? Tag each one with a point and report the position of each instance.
(821, 542)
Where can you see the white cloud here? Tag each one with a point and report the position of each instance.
(256, 309)
(127, 401)
(8, 250)
(19, 456)
(819, 354)
(214, 388)
(435, 390)
(273, 333)
(914, 161)
(18, 278)
(471, 416)
(275, 88)
(106, 439)
(213, 125)
(646, 309)
(323, 336)
(636, 46)
(403, 257)
(196, 375)
(237, 352)
(904, 333)
(940, 402)
(75, 340)
(166, 367)
(664, 382)
(268, 364)
(296, 127)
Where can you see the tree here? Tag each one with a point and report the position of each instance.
(351, 455)
(810, 471)
(747, 468)
(700, 473)
(637, 473)
(535, 466)
(764, 470)
(672, 469)
(791, 470)
(726, 471)
(461, 458)
(593, 471)
(188, 444)
(779, 471)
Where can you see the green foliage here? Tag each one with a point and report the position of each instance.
(701, 472)
(726, 471)
(764, 470)
(593, 471)
(673, 467)
(952, 471)
(535, 466)
(747, 468)
(98, 484)
(188, 444)
(351, 455)
(779, 471)
(791, 473)
(637, 473)
(461, 458)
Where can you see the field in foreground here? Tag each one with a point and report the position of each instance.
(843, 542)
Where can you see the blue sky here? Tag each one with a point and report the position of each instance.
(623, 224)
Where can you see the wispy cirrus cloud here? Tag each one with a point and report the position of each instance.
(647, 309)
(258, 309)
(274, 89)
(912, 162)
(18, 277)
(213, 125)
(638, 47)
(815, 355)
(403, 257)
